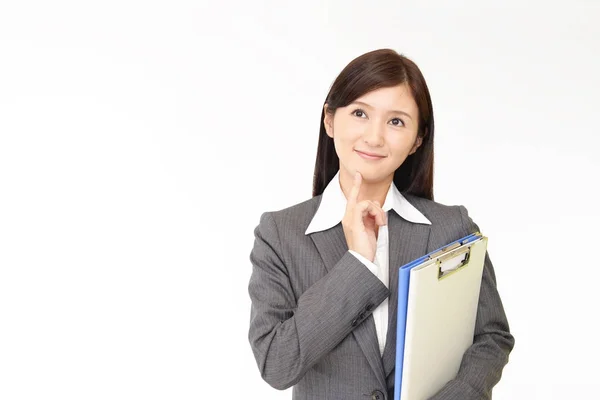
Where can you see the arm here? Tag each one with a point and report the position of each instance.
(482, 363)
(289, 336)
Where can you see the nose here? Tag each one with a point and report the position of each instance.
(374, 135)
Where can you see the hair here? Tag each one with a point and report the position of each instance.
(374, 70)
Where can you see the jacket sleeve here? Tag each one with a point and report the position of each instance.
(482, 363)
(288, 335)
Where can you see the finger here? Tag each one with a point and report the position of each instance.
(369, 208)
(377, 217)
(383, 213)
(381, 217)
(360, 211)
(352, 198)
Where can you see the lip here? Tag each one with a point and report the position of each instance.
(369, 156)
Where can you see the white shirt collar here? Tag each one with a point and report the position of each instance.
(333, 206)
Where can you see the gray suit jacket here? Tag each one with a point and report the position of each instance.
(311, 325)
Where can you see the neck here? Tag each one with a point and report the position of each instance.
(369, 190)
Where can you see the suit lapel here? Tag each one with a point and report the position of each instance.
(332, 245)
(407, 241)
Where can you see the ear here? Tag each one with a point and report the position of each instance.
(328, 121)
(418, 143)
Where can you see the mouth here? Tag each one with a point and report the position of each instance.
(369, 156)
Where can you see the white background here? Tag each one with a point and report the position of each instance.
(141, 141)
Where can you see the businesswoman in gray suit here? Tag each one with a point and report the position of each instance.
(324, 272)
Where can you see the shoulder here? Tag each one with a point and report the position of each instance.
(295, 217)
(443, 216)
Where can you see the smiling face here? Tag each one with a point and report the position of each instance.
(375, 133)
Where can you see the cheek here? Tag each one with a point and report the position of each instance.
(400, 147)
(348, 132)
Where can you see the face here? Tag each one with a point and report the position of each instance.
(382, 123)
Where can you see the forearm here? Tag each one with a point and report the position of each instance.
(289, 336)
(481, 368)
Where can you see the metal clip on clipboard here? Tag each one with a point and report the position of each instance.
(454, 261)
(456, 258)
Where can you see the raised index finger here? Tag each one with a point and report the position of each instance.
(352, 198)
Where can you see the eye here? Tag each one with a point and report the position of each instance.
(397, 122)
(359, 113)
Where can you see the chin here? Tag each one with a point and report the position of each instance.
(371, 174)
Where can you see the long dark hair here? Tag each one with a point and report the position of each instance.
(370, 71)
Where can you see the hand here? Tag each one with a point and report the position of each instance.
(361, 222)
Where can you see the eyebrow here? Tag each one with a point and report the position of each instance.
(391, 111)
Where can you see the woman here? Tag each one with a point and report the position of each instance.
(324, 278)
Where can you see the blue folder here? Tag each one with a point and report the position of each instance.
(403, 286)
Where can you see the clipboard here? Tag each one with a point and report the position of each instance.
(438, 295)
